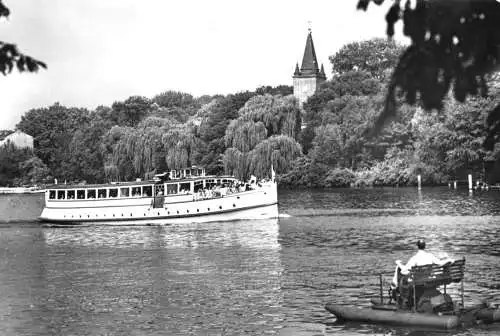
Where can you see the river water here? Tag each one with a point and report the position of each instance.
(269, 277)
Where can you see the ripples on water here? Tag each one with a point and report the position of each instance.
(246, 277)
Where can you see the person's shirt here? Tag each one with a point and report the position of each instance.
(422, 257)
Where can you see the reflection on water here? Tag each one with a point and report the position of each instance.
(245, 277)
(203, 279)
(252, 234)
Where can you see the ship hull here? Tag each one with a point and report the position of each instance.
(255, 204)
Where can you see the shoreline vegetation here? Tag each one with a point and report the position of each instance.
(327, 143)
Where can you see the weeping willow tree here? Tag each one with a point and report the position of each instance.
(280, 115)
(244, 135)
(263, 135)
(116, 148)
(155, 144)
(181, 146)
(278, 150)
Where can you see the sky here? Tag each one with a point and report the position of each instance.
(101, 51)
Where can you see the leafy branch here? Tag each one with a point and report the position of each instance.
(455, 45)
(11, 57)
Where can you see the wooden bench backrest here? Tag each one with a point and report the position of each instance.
(436, 275)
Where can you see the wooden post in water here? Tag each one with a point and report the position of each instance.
(470, 182)
(381, 289)
(419, 181)
(462, 293)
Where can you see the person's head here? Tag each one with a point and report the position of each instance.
(421, 244)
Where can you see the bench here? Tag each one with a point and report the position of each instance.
(421, 278)
(438, 275)
(433, 276)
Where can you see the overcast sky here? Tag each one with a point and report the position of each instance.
(100, 51)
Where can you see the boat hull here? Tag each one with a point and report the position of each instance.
(346, 313)
(466, 317)
(260, 212)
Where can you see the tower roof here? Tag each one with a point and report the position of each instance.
(309, 62)
(309, 66)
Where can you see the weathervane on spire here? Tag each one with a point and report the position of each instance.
(309, 23)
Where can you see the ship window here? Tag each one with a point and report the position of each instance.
(200, 172)
(159, 190)
(172, 189)
(61, 194)
(136, 191)
(188, 172)
(80, 194)
(210, 183)
(113, 192)
(198, 185)
(185, 188)
(91, 193)
(147, 191)
(101, 193)
(71, 194)
(124, 192)
(52, 194)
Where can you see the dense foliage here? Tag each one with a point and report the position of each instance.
(328, 143)
(455, 45)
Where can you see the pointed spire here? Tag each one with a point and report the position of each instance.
(297, 71)
(322, 71)
(309, 62)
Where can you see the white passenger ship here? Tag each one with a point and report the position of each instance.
(179, 196)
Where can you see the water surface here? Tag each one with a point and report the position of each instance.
(243, 277)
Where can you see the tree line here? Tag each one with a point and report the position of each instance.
(328, 143)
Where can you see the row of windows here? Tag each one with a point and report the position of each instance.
(187, 172)
(140, 191)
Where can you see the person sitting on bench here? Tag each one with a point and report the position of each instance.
(420, 258)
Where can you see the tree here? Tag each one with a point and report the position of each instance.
(455, 45)
(131, 111)
(351, 83)
(283, 90)
(374, 56)
(86, 155)
(213, 126)
(33, 171)
(11, 57)
(11, 164)
(53, 128)
(339, 141)
(177, 105)
(263, 135)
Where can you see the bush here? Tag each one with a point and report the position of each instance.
(339, 178)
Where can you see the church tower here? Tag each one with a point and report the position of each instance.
(309, 77)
